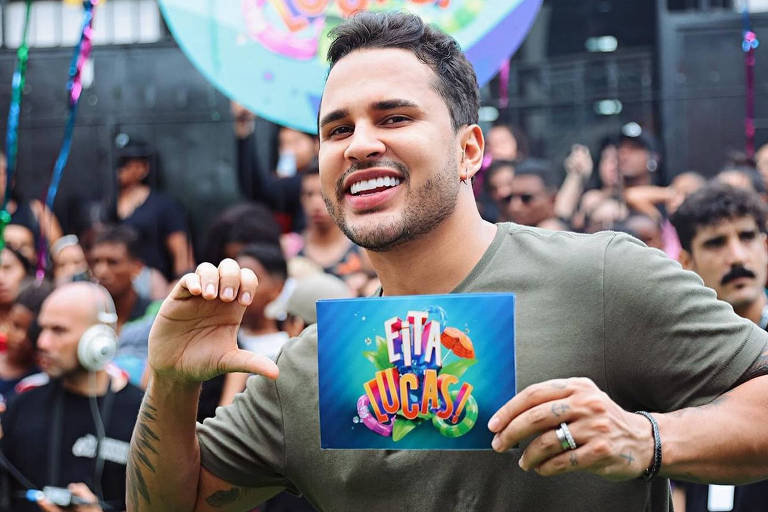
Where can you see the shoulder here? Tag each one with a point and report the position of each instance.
(300, 354)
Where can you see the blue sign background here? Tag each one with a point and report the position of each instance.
(348, 327)
(246, 48)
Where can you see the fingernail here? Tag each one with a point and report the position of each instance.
(228, 293)
(210, 289)
(496, 443)
(520, 463)
(246, 299)
(493, 423)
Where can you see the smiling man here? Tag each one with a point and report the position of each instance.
(604, 326)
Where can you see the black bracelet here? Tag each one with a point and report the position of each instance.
(654, 468)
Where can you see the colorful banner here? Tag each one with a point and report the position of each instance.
(269, 55)
(414, 372)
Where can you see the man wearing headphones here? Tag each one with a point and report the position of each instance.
(73, 432)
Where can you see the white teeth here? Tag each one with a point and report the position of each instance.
(373, 183)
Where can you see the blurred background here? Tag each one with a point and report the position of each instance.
(587, 67)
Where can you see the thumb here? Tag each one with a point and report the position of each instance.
(245, 361)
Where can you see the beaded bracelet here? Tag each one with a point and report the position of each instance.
(654, 468)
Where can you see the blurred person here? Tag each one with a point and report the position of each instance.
(230, 232)
(14, 270)
(22, 239)
(722, 231)
(498, 186)
(261, 333)
(74, 431)
(238, 226)
(506, 142)
(114, 264)
(743, 177)
(531, 200)
(68, 260)
(578, 168)
(19, 361)
(604, 215)
(300, 307)
(644, 228)
(603, 184)
(761, 162)
(660, 202)
(33, 214)
(114, 261)
(324, 243)
(637, 157)
(158, 220)
(279, 188)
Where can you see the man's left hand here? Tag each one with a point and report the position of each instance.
(610, 442)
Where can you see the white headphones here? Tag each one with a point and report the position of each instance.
(98, 344)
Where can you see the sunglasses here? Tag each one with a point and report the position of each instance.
(524, 198)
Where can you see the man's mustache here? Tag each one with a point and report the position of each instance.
(735, 273)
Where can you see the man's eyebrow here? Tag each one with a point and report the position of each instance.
(333, 116)
(379, 105)
(392, 104)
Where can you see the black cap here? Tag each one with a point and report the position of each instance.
(635, 133)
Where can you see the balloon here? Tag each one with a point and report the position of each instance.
(269, 55)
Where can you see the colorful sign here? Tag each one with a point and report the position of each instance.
(414, 372)
(269, 55)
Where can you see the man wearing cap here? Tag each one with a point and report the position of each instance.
(638, 159)
(159, 221)
(605, 331)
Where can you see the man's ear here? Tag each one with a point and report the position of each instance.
(686, 259)
(472, 148)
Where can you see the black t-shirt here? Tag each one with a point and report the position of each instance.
(156, 218)
(26, 441)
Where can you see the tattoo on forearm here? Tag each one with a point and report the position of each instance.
(697, 410)
(143, 442)
(573, 459)
(221, 499)
(559, 409)
(628, 457)
(758, 368)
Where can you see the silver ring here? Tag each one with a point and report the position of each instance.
(565, 437)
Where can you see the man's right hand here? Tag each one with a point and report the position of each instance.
(194, 337)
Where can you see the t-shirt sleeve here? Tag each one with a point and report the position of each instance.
(244, 442)
(669, 342)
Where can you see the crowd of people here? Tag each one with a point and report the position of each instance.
(73, 365)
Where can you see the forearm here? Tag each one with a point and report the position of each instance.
(181, 252)
(164, 464)
(723, 442)
(568, 196)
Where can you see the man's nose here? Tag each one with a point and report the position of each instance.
(364, 143)
(737, 252)
(44, 340)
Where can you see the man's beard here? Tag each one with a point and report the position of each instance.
(425, 209)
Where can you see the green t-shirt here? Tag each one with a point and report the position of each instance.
(601, 306)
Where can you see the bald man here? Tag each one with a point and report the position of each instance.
(53, 433)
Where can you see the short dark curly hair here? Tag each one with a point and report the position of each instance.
(714, 203)
(456, 79)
